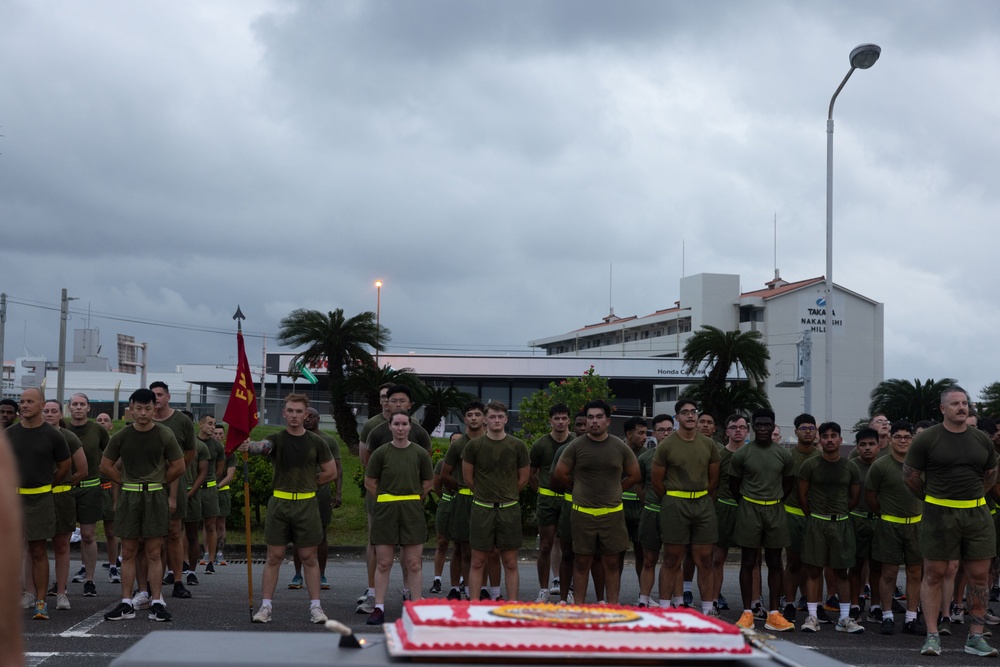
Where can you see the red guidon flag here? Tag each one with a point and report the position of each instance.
(241, 413)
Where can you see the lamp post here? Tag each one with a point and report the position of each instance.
(378, 315)
(862, 57)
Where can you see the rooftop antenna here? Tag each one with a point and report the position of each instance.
(611, 282)
(683, 270)
(775, 243)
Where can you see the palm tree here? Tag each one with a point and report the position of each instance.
(342, 344)
(367, 378)
(718, 351)
(913, 401)
(439, 402)
(732, 399)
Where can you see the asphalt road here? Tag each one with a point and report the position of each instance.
(81, 637)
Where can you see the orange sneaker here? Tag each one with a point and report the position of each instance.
(776, 622)
(746, 621)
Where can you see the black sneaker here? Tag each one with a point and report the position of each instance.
(186, 568)
(822, 616)
(436, 586)
(913, 628)
(180, 591)
(944, 625)
(377, 617)
(52, 591)
(723, 603)
(454, 594)
(789, 613)
(875, 615)
(802, 605)
(888, 626)
(855, 613)
(899, 594)
(832, 604)
(995, 594)
(122, 612)
(209, 568)
(168, 578)
(157, 612)
(89, 589)
(688, 598)
(484, 595)
(192, 580)
(80, 576)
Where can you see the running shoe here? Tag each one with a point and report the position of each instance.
(850, 626)
(944, 626)
(543, 596)
(899, 594)
(367, 606)
(789, 613)
(168, 578)
(688, 598)
(454, 594)
(204, 559)
(484, 595)
(832, 604)
(976, 645)
(995, 594)
(554, 589)
(377, 617)
(406, 594)
(932, 645)
(140, 600)
(180, 591)
(80, 576)
(124, 611)
(263, 616)
(887, 627)
(323, 584)
(192, 579)
(209, 568)
(158, 612)
(220, 560)
(435, 587)
(52, 591)
(296, 582)
(114, 575)
(723, 603)
(41, 611)
(62, 602)
(777, 623)
(361, 599)
(27, 600)
(746, 621)
(811, 624)
(316, 615)
(759, 611)
(874, 615)
(913, 628)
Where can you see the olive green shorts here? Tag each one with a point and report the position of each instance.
(400, 522)
(649, 528)
(324, 500)
(495, 527)
(180, 513)
(948, 533)
(996, 528)
(864, 532)
(65, 505)
(725, 516)
(89, 504)
(761, 526)
(225, 503)
(603, 534)
(442, 514)
(688, 520)
(828, 543)
(108, 504)
(633, 513)
(142, 514)
(193, 512)
(295, 521)
(458, 521)
(564, 529)
(796, 529)
(547, 510)
(209, 502)
(39, 515)
(897, 543)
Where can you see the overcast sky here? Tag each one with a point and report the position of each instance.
(489, 161)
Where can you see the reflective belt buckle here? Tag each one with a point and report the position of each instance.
(687, 494)
(902, 519)
(830, 517)
(210, 484)
(494, 506)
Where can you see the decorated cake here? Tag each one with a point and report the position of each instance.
(512, 627)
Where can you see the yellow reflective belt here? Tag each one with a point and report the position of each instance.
(630, 495)
(568, 497)
(389, 498)
(598, 511)
(142, 487)
(34, 490)
(686, 494)
(224, 488)
(62, 488)
(542, 491)
(797, 511)
(465, 491)
(902, 519)
(863, 515)
(830, 517)
(727, 501)
(761, 502)
(88, 483)
(285, 495)
(956, 504)
(447, 497)
(209, 484)
(495, 505)
(652, 508)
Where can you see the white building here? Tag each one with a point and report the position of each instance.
(790, 316)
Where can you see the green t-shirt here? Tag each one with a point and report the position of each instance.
(496, 464)
(94, 438)
(686, 461)
(295, 459)
(646, 468)
(400, 471)
(829, 484)
(382, 434)
(885, 478)
(863, 469)
(453, 457)
(144, 454)
(369, 426)
(183, 429)
(216, 453)
(37, 451)
(725, 459)
(201, 454)
(761, 470)
(74, 445)
(541, 456)
(798, 458)
(597, 467)
(953, 463)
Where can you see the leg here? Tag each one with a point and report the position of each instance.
(931, 592)
(154, 566)
(384, 555)
(671, 568)
(269, 580)
(455, 566)
(310, 570)
(191, 534)
(130, 548)
(411, 556)
(322, 553)
(39, 567)
(556, 557)
(477, 567)
(887, 584)
(914, 575)
(111, 540)
(701, 555)
(566, 569)
(748, 563)
(774, 576)
(814, 584)
(211, 538)
(612, 576)
(220, 531)
(88, 549)
(581, 575)
(718, 570)
(440, 553)
(175, 548)
(297, 562)
(60, 547)
(509, 559)
(977, 575)
(792, 574)
(648, 574)
(597, 574)
(546, 539)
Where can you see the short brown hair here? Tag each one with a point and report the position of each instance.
(496, 406)
(297, 398)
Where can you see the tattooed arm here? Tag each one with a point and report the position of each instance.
(914, 480)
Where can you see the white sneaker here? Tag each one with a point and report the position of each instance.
(811, 624)
(714, 612)
(362, 598)
(27, 600)
(569, 598)
(264, 615)
(62, 601)
(849, 625)
(554, 590)
(367, 606)
(543, 596)
(141, 600)
(316, 615)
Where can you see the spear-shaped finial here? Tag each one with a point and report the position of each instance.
(239, 317)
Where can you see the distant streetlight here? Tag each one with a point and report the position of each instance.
(862, 57)
(378, 315)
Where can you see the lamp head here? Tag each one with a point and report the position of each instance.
(864, 56)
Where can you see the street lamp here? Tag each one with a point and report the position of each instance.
(378, 316)
(862, 57)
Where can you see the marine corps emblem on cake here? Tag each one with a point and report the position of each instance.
(565, 614)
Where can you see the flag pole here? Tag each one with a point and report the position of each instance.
(239, 317)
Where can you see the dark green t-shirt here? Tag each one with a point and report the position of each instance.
(144, 454)
(829, 484)
(725, 459)
(37, 451)
(496, 464)
(885, 478)
(453, 457)
(95, 439)
(183, 429)
(646, 468)
(400, 471)
(761, 470)
(295, 459)
(686, 461)
(798, 458)
(863, 469)
(201, 454)
(382, 434)
(953, 463)
(369, 426)
(541, 456)
(597, 466)
(216, 453)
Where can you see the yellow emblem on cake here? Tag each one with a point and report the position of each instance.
(565, 614)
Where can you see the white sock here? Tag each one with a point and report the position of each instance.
(265, 603)
(687, 586)
(706, 607)
(888, 615)
(437, 578)
(314, 603)
(910, 616)
(494, 592)
(380, 606)
(644, 599)
(845, 610)
(677, 600)
(370, 592)
(127, 601)
(812, 608)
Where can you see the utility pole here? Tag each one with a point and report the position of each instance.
(63, 316)
(3, 324)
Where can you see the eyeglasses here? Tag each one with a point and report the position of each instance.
(902, 438)
(663, 430)
(688, 413)
(739, 428)
(806, 429)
